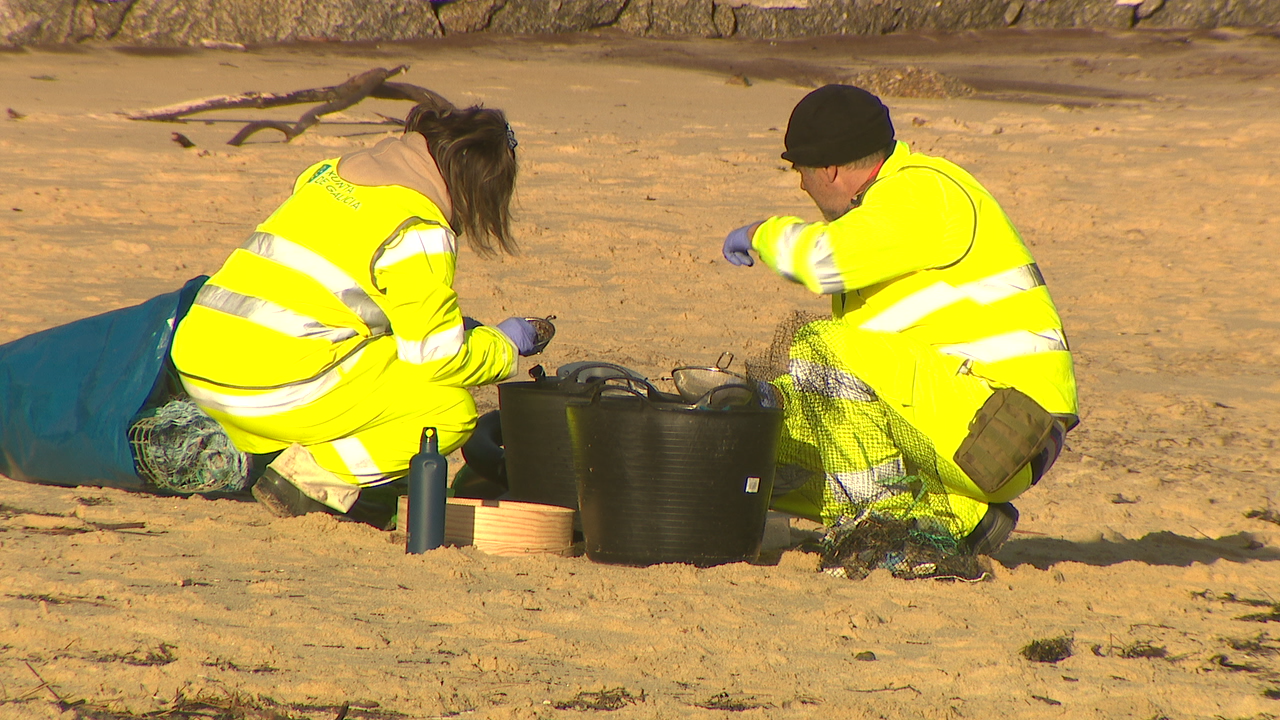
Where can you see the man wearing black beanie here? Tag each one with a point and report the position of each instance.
(943, 386)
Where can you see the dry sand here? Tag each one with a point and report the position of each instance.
(1142, 170)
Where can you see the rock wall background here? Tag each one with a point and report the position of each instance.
(192, 22)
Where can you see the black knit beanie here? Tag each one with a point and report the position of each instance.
(835, 125)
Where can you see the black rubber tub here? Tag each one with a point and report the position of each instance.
(662, 481)
(537, 451)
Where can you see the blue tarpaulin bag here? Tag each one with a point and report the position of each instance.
(68, 395)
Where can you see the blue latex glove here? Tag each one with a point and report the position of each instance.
(737, 245)
(521, 332)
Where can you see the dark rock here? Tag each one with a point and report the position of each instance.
(467, 16)
(530, 17)
(188, 22)
(1146, 9)
(670, 18)
(868, 17)
(191, 22)
(1076, 13)
(1212, 13)
(1013, 12)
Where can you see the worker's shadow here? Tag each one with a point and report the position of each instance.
(1157, 548)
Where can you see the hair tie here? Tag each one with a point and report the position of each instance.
(511, 138)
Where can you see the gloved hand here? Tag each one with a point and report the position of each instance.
(737, 245)
(522, 333)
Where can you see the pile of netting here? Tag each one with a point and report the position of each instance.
(178, 448)
(849, 458)
(853, 547)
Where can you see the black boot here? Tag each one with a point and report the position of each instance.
(282, 498)
(992, 530)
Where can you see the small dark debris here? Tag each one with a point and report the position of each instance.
(1046, 700)
(1273, 616)
(14, 114)
(650, 198)
(865, 656)
(232, 667)
(16, 209)
(48, 599)
(58, 531)
(1252, 602)
(1266, 515)
(613, 699)
(918, 121)
(203, 706)
(1068, 678)
(1050, 650)
(1224, 662)
(1143, 649)
(46, 78)
(1256, 646)
(182, 140)
(1120, 499)
(162, 655)
(739, 80)
(725, 701)
(93, 501)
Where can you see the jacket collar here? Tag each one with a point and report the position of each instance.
(900, 156)
(403, 161)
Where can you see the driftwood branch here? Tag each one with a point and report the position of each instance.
(371, 83)
(261, 101)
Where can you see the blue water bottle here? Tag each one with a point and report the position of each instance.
(428, 483)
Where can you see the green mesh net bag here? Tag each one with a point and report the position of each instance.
(848, 458)
(178, 448)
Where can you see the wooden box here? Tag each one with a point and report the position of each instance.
(503, 527)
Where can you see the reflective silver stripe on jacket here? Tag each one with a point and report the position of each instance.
(436, 346)
(356, 457)
(412, 243)
(866, 486)
(269, 315)
(1008, 345)
(313, 265)
(812, 377)
(822, 259)
(785, 250)
(275, 401)
(922, 303)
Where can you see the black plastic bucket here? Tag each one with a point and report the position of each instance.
(537, 452)
(662, 481)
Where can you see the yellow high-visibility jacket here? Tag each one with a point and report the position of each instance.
(930, 254)
(334, 269)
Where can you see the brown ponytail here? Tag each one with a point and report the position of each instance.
(473, 148)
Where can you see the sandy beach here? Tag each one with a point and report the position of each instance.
(1141, 168)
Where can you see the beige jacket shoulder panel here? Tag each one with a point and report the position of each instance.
(405, 161)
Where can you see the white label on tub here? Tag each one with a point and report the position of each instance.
(753, 484)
